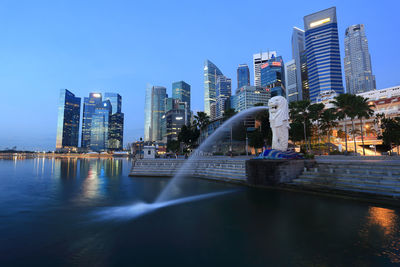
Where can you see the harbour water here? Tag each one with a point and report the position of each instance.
(81, 212)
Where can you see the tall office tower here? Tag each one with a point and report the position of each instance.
(243, 75)
(323, 55)
(116, 131)
(116, 124)
(292, 92)
(181, 91)
(174, 120)
(304, 76)
(69, 110)
(258, 60)
(273, 76)
(115, 100)
(297, 50)
(223, 90)
(156, 110)
(147, 113)
(357, 61)
(100, 127)
(248, 96)
(89, 105)
(211, 72)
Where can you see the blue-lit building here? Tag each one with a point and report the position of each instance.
(211, 72)
(89, 106)
(323, 54)
(273, 76)
(100, 127)
(243, 75)
(223, 89)
(115, 100)
(69, 110)
(116, 125)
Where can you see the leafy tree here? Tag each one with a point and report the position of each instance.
(173, 146)
(189, 135)
(390, 132)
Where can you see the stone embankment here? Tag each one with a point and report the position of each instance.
(214, 168)
(372, 176)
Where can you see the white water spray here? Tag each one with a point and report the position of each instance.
(187, 167)
(141, 208)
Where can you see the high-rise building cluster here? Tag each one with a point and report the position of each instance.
(314, 73)
(102, 122)
(165, 116)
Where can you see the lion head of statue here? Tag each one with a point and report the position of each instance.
(278, 111)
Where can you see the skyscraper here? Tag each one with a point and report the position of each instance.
(89, 105)
(69, 110)
(115, 100)
(181, 91)
(248, 96)
(273, 76)
(357, 61)
(116, 124)
(154, 110)
(258, 60)
(100, 127)
(147, 113)
(323, 54)
(211, 72)
(291, 84)
(223, 93)
(296, 92)
(243, 75)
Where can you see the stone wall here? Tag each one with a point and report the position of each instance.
(274, 172)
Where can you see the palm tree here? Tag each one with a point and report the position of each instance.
(363, 110)
(344, 103)
(299, 113)
(328, 121)
(201, 120)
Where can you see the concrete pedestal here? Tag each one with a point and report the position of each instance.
(274, 172)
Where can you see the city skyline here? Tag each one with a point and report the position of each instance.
(36, 74)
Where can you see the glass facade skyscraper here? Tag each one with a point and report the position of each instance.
(357, 61)
(323, 54)
(248, 96)
(154, 110)
(116, 131)
(296, 93)
(69, 110)
(291, 84)
(273, 76)
(223, 90)
(115, 100)
(181, 91)
(211, 72)
(243, 75)
(89, 106)
(100, 127)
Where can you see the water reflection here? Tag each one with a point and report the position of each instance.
(382, 224)
(384, 218)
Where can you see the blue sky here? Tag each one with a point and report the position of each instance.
(120, 46)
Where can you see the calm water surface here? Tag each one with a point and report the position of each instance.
(61, 213)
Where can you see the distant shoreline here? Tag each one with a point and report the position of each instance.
(56, 155)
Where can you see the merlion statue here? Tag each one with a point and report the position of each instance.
(279, 121)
